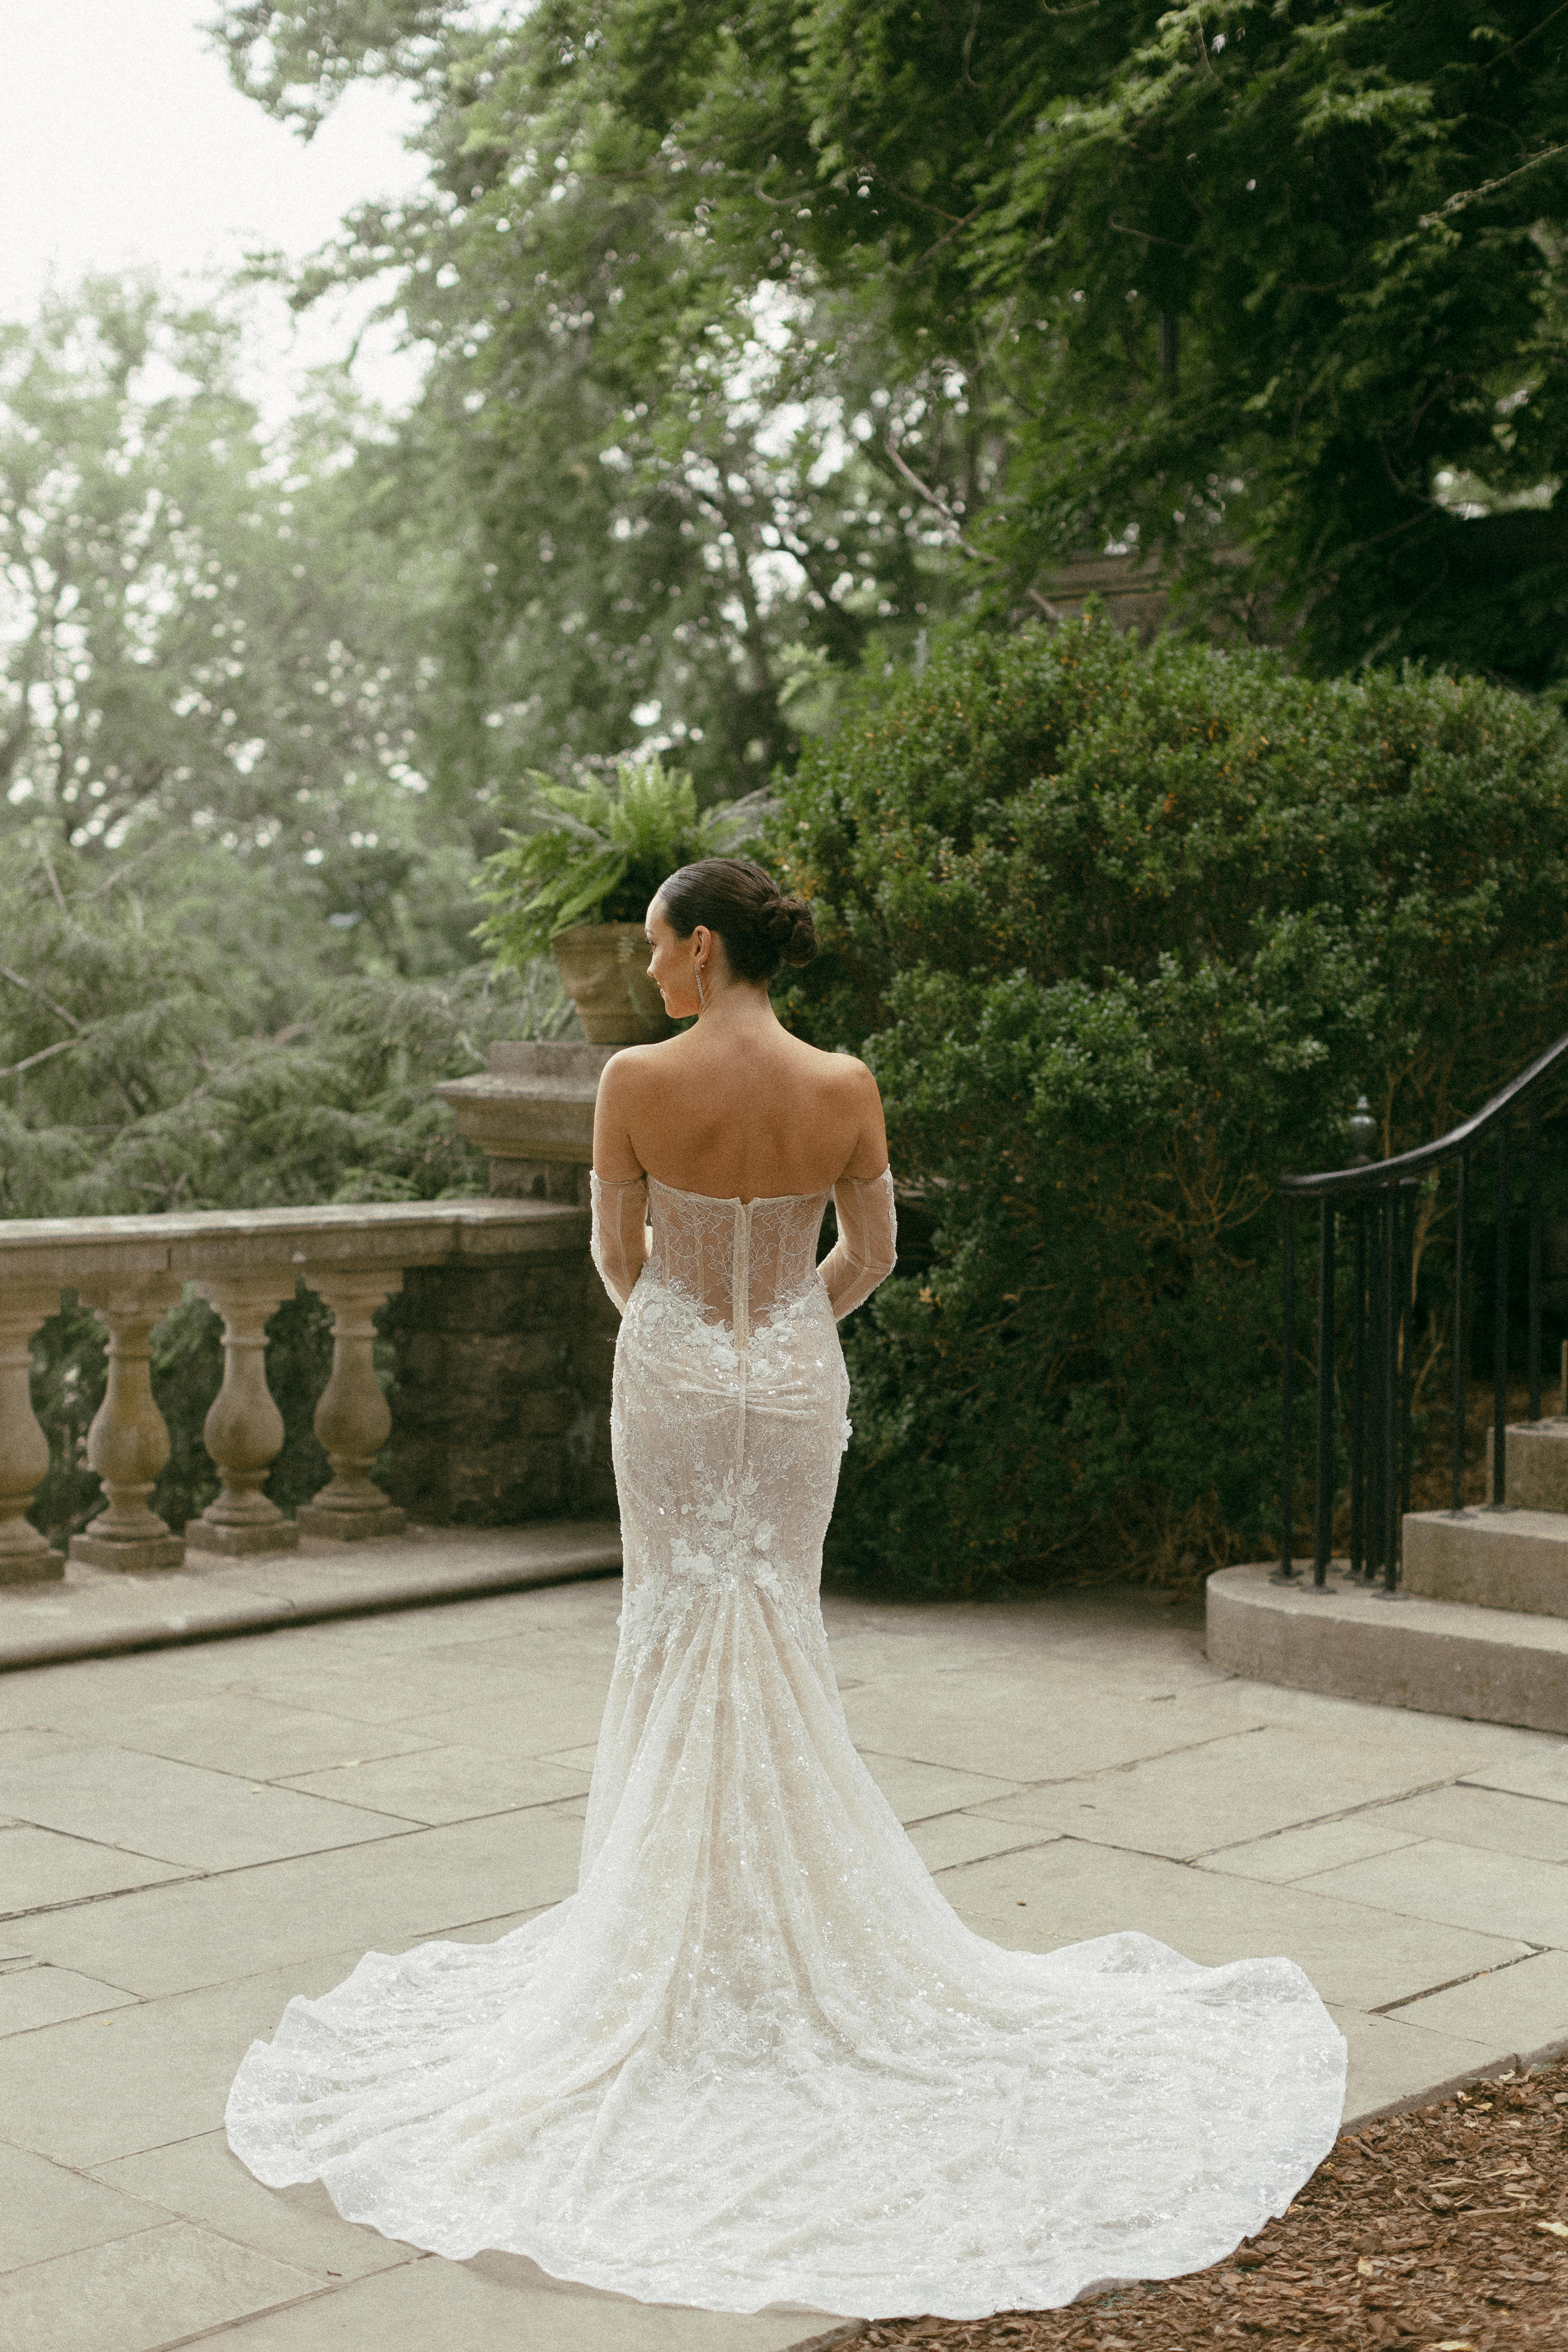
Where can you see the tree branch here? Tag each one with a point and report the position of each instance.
(63, 1047)
(33, 989)
(1464, 196)
(980, 554)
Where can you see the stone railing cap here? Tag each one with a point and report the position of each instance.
(198, 1241)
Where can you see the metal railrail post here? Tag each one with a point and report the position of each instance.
(1358, 1396)
(1288, 1402)
(1377, 1348)
(1406, 1349)
(1535, 1257)
(1460, 1367)
(1389, 1399)
(1500, 1329)
(1323, 1498)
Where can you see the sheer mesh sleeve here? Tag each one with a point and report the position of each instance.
(619, 1239)
(867, 1246)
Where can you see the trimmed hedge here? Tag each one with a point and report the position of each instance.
(1123, 932)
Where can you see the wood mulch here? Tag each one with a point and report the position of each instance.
(1445, 2229)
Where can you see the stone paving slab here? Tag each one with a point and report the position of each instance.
(191, 1834)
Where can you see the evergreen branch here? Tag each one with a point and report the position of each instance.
(42, 994)
(62, 1045)
(120, 872)
(1463, 196)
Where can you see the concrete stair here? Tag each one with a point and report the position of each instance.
(1479, 1627)
(1490, 1558)
(1537, 1465)
(1510, 1556)
(1353, 1641)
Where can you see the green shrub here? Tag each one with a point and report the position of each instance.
(1123, 932)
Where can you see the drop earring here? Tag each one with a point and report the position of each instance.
(697, 976)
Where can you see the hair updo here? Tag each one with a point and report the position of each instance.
(733, 897)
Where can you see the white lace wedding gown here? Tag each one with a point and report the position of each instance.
(756, 2058)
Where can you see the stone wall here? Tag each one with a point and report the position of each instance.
(500, 1400)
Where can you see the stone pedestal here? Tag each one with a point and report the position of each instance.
(502, 1407)
(516, 1357)
(531, 1114)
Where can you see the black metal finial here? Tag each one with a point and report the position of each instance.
(1363, 1133)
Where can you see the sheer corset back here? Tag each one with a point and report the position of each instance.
(739, 1263)
(734, 1261)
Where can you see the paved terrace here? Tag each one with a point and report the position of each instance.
(192, 1834)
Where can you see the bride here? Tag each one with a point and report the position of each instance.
(756, 2058)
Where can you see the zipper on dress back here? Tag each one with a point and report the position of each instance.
(740, 1320)
(741, 1275)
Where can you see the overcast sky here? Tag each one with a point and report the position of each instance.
(123, 141)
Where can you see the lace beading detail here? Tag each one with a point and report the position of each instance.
(726, 1547)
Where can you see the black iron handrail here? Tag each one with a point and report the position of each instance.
(1334, 1184)
(1380, 1198)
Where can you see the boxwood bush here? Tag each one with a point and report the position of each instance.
(1124, 931)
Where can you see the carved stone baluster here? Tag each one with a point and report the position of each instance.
(25, 1555)
(244, 1429)
(127, 1442)
(353, 1420)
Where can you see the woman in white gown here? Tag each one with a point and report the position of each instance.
(756, 2058)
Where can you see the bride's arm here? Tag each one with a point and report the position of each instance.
(619, 1239)
(866, 1247)
(619, 1192)
(867, 1244)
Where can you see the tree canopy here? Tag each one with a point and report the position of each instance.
(1271, 288)
(236, 915)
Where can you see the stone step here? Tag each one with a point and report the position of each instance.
(100, 1613)
(1440, 1657)
(1490, 1558)
(1536, 1460)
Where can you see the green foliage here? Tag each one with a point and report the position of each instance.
(201, 628)
(234, 909)
(661, 459)
(188, 1029)
(599, 853)
(921, 300)
(1123, 933)
(1287, 277)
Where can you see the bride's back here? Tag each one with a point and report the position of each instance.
(738, 1108)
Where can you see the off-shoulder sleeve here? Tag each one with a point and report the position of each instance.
(866, 1247)
(619, 1238)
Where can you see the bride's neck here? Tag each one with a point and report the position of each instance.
(739, 1004)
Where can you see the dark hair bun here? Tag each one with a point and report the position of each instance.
(735, 896)
(792, 931)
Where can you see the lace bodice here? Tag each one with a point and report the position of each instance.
(739, 1261)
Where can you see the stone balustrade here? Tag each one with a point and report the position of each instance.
(502, 1344)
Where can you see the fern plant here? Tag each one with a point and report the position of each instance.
(596, 853)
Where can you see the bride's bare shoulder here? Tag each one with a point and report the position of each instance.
(634, 1067)
(843, 1074)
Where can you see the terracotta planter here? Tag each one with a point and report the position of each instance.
(604, 969)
